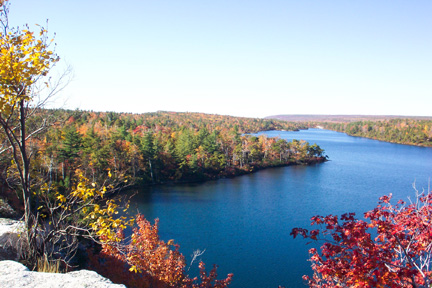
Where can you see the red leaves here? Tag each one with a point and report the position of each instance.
(158, 264)
(348, 217)
(398, 256)
(299, 231)
(316, 220)
(314, 234)
(385, 199)
(207, 280)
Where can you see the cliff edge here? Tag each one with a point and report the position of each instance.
(14, 274)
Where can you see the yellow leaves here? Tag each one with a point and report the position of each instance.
(62, 198)
(23, 60)
(102, 219)
(84, 192)
(135, 269)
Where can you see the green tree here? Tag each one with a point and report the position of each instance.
(280, 147)
(315, 151)
(148, 150)
(71, 145)
(185, 147)
(95, 152)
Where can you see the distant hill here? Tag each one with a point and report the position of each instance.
(342, 118)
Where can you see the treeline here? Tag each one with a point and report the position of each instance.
(403, 131)
(159, 147)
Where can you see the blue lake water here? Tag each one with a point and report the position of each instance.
(244, 223)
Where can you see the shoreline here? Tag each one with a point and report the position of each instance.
(239, 172)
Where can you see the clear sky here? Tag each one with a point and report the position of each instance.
(243, 58)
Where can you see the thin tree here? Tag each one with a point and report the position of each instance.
(26, 58)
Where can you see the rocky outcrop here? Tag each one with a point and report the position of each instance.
(14, 274)
(10, 238)
(6, 210)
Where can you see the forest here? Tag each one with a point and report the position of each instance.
(79, 157)
(409, 130)
(154, 148)
(403, 131)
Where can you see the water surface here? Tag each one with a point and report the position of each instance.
(244, 222)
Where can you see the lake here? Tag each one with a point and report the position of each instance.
(244, 223)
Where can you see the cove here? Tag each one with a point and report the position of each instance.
(244, 222)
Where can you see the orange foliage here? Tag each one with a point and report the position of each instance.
(147, 261)
(82, 129)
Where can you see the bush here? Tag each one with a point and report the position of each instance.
(392, 248)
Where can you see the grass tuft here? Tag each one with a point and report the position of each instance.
(48, 266)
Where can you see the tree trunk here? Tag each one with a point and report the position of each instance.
(25, 181)
(151, 171)
(25, 165)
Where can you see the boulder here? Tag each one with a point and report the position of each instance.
(14, 274)
(9, 238)
(6, 210)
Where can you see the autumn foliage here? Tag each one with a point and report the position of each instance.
(25, 58)
(147, 261)
(390, 248)
(156, 148)
(404, 131)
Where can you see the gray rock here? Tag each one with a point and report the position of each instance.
(6, 210)
(10, 231)
(14, 274)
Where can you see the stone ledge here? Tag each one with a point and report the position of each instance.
(14, 274)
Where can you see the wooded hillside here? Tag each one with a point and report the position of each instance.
(158, 147)
(414, 130)
(403, 131)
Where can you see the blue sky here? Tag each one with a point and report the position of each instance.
(242, 58)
